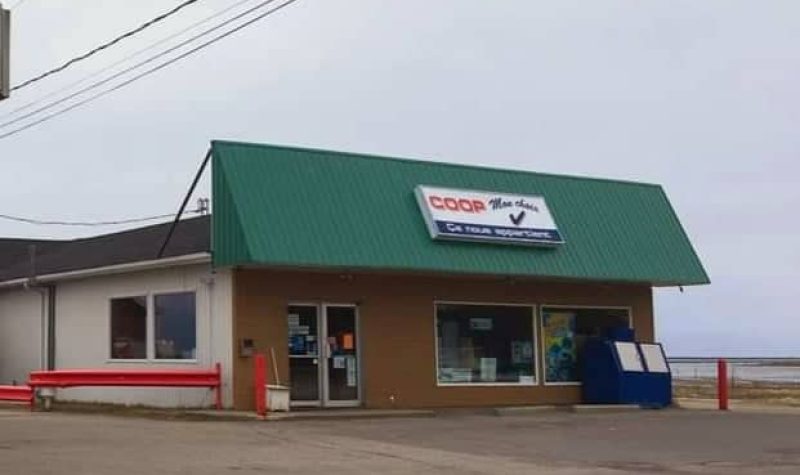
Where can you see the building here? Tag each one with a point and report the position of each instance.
(375, 282)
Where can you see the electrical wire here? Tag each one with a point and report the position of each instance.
(121, 61)
(42, 222)
(148, 72)
(16, 5)
(106, 45)
(138, 65)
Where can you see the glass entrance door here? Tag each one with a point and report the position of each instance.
(341, 364)
(304, 355)
(324, 366)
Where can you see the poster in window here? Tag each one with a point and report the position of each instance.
(488, 370)
(351, 371)
(339, 362)
(294, 320)
(297, 345)
(560, 349)
(521, 352)
(348, 341)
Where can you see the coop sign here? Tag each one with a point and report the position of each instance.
(485, 216)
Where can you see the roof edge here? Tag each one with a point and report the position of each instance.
(187, 259)
(457, 273)
(429, 162)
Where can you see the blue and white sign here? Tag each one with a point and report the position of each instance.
(485, 216)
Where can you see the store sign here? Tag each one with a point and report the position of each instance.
(486, 216)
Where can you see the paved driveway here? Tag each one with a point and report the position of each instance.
(673, 441)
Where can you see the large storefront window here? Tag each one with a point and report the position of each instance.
(565, 330)
(485, 344)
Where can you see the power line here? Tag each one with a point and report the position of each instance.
(96, 50)
(43, 222)
(16, 5)
(102, 82)
(123, 60)
(149, 71)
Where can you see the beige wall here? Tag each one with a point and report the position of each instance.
(397, 328)
(20, 334)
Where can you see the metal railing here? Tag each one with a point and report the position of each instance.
(70, 378)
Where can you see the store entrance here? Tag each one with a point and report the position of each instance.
(324, 355)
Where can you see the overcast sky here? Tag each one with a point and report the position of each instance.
(700, 96)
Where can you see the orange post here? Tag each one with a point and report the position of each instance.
(722, 384)
(260, 383)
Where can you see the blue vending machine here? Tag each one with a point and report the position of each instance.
(618, 370)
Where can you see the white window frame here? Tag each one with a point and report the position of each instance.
(150, 328)
(534, 340)
(542, 308)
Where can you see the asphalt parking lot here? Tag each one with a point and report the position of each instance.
(670, 441)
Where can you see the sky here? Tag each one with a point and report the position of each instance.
(701, 97)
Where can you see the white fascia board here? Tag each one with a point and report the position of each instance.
(188, 259)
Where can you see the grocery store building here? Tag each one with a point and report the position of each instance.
(375, 282)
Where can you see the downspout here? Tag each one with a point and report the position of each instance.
(30, 284)
(43, 324)
(47, 296)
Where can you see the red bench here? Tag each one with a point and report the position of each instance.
(17, 394)
(172, 378)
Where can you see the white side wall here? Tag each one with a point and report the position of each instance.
(20, 334)
(82, 329)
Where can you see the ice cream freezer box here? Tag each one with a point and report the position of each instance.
(626, 372)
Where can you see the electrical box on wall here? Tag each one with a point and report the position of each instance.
(247, 347)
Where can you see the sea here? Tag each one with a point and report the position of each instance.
(768, 370)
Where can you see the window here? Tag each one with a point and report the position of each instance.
(175, 326)
(129, 328)
(161, 326)
(485, 344)
(565, 330)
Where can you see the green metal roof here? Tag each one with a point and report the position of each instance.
(284, 206)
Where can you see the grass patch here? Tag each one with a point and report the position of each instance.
(784, 394)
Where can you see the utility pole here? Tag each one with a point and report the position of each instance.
(5, 52)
